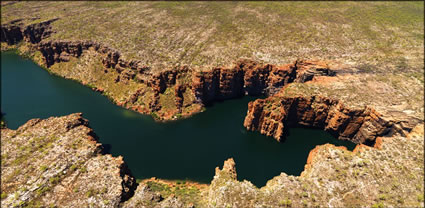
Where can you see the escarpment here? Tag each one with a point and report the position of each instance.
(167, 93)
(272, 116)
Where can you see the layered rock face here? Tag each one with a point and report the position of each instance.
(251, 78)
(272, 116)
(58, 162)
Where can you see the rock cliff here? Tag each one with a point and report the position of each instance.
(273, 115)
(251, 78)
(34, 33)
(192, 88)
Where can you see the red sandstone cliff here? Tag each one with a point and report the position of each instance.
(246, 77)
(273, 115)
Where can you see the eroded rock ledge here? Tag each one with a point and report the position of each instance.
(273, 115)
(191, 89)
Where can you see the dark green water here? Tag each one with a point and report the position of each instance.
(186, 149)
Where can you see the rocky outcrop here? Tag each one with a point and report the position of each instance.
(228, 170)
(60, 51)
(308, 69)
(34, 33)
(272, 116)
(226, 191)
(11, 34)
(167, 78)
(59, 162)
(146, 197)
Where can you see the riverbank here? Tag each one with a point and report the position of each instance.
(351, 168)
(163, 150)
(88, 177)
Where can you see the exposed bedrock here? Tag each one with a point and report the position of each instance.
(11, 34)
(244, 77)
(272, 116)
(251, 78)
(33, 33)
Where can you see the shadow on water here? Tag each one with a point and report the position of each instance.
(185, 149)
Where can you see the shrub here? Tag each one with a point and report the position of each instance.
(378, 205)
(43, 168)
(3, 195)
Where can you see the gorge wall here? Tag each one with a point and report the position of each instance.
(274, 115)
(248, 77)
(68, 163)
(189, 88)
(244, 77)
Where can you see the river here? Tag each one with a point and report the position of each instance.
(188, 149)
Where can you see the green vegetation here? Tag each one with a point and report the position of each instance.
(54, 180)
(181, 189)
(83, 169)
(286, 203)
(91, 193)
(378, 205)
(382, 197)
(164, 189)
(42, 190)
(43, 168)
(420, 197)
(154, 115)
(2, 124)
(3, 195)
(73, 167)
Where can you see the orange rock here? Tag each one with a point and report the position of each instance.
(272, 115)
